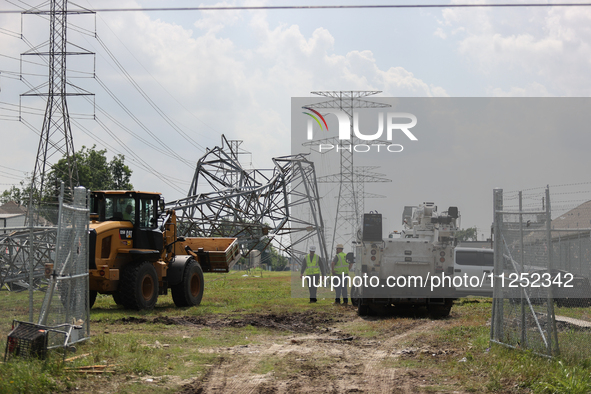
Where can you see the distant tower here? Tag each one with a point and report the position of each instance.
(348, 211)
(56, 134)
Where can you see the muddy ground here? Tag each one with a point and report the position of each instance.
(316, 352)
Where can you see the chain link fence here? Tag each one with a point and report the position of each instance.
(44, 274)
(542, 291)
(66, 300)
(24, 254)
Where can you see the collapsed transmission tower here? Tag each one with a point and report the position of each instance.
(348, 211)
(56, 134)
(256, 206)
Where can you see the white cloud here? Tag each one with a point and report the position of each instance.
(547, 45)
(215, 21)
(532, 90)
(241, 90)
(440, 33)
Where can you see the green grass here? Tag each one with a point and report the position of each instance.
(158, 350)
(478, 367)
(33, 376)
(132, 349)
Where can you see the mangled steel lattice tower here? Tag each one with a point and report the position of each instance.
(256, 206)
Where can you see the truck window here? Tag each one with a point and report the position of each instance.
(148, 213)
(108, 208)
(119, 208)
(480, 259)
(127, 208)
(488, 259)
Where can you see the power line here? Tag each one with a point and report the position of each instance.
(159, 111)
(156, 80)
(320, 7)
(171, 151)
(13, 169)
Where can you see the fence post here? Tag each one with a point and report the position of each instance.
(496, 326)
(551, 321)
(31, 267)
(522, 257)
(87, 318)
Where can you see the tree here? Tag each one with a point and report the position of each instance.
(278, 261)
(95, 172)
(13, 194)
(120, 173)
(18, 195)
(468, 234)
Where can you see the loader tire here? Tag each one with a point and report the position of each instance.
(190, 291)
(117, 298)
(138, 286)
(91, 297)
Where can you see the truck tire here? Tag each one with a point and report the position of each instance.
(190, 291)
(438, 311)
(355, 300)
(363, 309)
(139, 286)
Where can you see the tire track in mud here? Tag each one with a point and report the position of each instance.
(353, 366)
(383, 380)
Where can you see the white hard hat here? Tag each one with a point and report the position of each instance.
(312, 248)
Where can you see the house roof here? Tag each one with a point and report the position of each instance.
(13, 208)
(10, 215)
(579, 217)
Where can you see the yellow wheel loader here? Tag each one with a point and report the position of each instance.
(135, 254)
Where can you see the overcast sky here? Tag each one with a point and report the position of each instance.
(234, 72)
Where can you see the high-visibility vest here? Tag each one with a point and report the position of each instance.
(312, 267)
(341, 266)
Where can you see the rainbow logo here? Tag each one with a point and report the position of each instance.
(315, 118)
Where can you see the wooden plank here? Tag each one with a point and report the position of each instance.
(573, 321)
(77, 357)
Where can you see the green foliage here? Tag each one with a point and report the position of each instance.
(277, 261)
(467, 360)
(95, 172)
(467, 234)
(567, 380)
(18, 195)
(31, 376)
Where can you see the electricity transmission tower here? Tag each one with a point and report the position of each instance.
(348, 210)
(56, 133)
(256, 206)
(361, 176)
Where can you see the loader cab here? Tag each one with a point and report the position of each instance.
(138, 208)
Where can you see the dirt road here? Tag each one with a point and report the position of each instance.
(315, 353)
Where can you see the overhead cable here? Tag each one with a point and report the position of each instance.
(319, 7)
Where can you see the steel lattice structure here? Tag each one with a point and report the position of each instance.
(348, 212)
(56, 134)
(361, 175)
(24, 248)
(256, 206)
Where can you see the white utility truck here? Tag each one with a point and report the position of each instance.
(411, 271)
